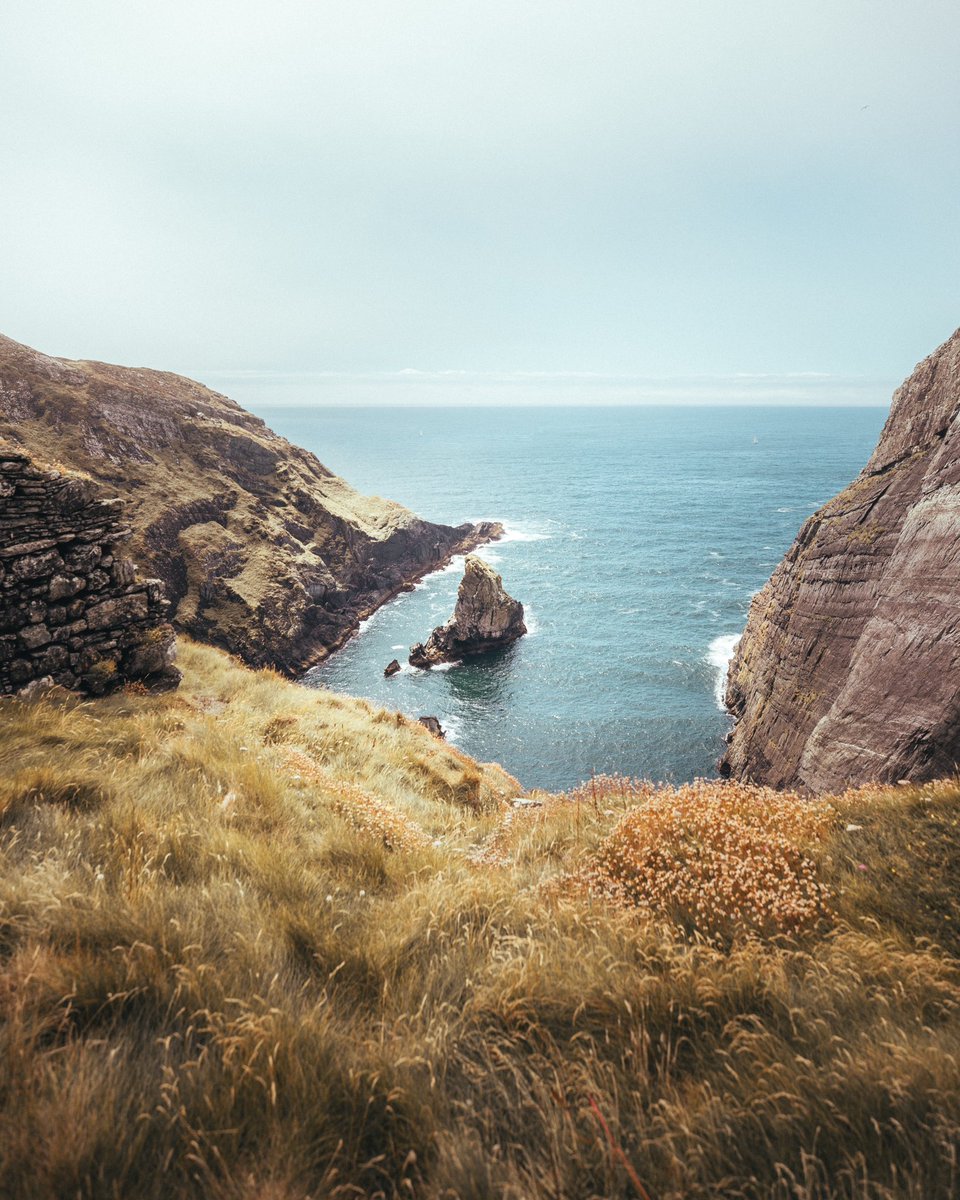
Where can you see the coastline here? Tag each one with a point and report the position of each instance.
(481, 534)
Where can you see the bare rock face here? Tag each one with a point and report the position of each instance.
(485, 618)
(849, 668)
(261, 550)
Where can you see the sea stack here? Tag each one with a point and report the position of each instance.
(485, 618)
(848, 670)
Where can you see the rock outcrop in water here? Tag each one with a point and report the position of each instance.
(260, 549)
(849, 668)
(485, 618)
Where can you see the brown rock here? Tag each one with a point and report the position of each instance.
(34, 636)
(151, 658)
(64, 586)
(117, 611)
(485, 618)
(433, 725)
(848, 669)
(36, 566)
(391, 668)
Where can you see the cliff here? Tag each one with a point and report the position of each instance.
(261, 550)
(849, 667)
(71, 607)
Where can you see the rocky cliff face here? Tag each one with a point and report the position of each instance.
(485, 618)
(261, 549)
(71, 607)
(849, 668)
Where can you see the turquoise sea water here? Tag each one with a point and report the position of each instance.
(636, 537)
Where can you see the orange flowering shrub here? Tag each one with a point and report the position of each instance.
(717, 858)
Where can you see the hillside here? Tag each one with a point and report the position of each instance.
(266, 942)
(847, 670)
(260, 548)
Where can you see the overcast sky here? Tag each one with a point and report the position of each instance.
(605, 197)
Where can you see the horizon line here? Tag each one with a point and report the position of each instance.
(493, 389)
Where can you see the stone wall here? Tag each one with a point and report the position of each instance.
(71, 607)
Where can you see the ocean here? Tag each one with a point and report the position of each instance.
(635, 539)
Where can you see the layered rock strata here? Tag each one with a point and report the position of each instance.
(485, 618)
(849, 668)
(71, 607)
(260, 548)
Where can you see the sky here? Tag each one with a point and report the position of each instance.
(491, 201)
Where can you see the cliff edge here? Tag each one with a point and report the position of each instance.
(261, 550)
(849, 668)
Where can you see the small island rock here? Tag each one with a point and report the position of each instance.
(433, 725)
(391, 668)
(485, 618)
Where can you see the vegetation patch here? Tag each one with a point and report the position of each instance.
(718, 859)
(271, 956)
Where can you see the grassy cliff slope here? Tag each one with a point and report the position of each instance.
(266, 942)
(260, 548)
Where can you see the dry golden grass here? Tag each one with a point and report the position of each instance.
(263, 942)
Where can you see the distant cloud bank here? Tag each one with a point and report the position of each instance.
(413, 387)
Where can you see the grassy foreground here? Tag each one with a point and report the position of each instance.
(262, 942)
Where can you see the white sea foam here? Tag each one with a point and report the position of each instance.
(452, 727)
(512, 533)
(719, 654)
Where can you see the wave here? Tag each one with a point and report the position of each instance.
(719, 653)
(452, 728)
(513, 533)
(434, 667)
(365, 624)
